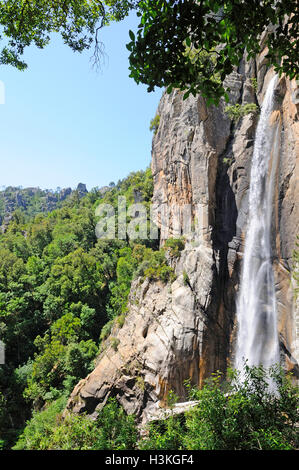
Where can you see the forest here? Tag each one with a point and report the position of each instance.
(62, 292)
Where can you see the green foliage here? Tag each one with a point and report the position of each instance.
(26, 23)
(59, 286)
(106, 330)
(254, 83)
(39, 429)
(114, 343)
(59, 365)
(154, 124)
(186, 278)
(228, 160)
(153, 265)
(237, 111)
(113, 430)
(165, 435)
(138, 261)
(169, 29)
(175, 245)
(234, 416)
(120, 320)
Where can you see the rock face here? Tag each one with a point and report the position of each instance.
(186, 330)
(81, 189)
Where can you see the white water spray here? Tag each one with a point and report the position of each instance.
(257, 340)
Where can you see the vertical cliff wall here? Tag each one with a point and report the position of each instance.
(186, 329)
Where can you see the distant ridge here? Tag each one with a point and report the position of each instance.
(34, 200)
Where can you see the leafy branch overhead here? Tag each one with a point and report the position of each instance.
(185, 44)
(31, 22)
(172, 34)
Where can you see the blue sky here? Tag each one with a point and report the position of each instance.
(64, 123)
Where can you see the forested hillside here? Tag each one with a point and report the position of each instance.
(32, 201)
(59, 286)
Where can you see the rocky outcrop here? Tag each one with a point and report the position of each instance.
(186, 330)
(81, 189)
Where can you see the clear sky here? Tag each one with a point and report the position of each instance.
(64, 123)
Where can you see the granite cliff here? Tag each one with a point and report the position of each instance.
(186, 329)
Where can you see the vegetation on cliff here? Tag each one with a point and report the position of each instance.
(228, 416)
(59, 286)
(234, 415)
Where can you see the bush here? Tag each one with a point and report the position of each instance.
(158, 269)
(39, 429)
(237, 111)
(114, 343)
(186, 279)
(153, 265)
(113, 430)
(154, 124)
(120, 320)
(175, 246)
(165, 435)
(254, 83)
(235, 416)
(106, 330)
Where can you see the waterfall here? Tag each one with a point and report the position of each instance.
(257, 339)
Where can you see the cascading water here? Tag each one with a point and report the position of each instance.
(257, 340)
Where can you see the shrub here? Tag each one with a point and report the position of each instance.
(39, 429)
(254, 83)
(158, 269)
(186, 279)
(113, 430)
(164, 435)
(106, 330)
(237, 111)
(153, 265)
(234, 416)
(120, 320)
(175, 246)
(114, 343)
(154, 124)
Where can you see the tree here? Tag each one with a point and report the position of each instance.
(194, 45)
(28, 22)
